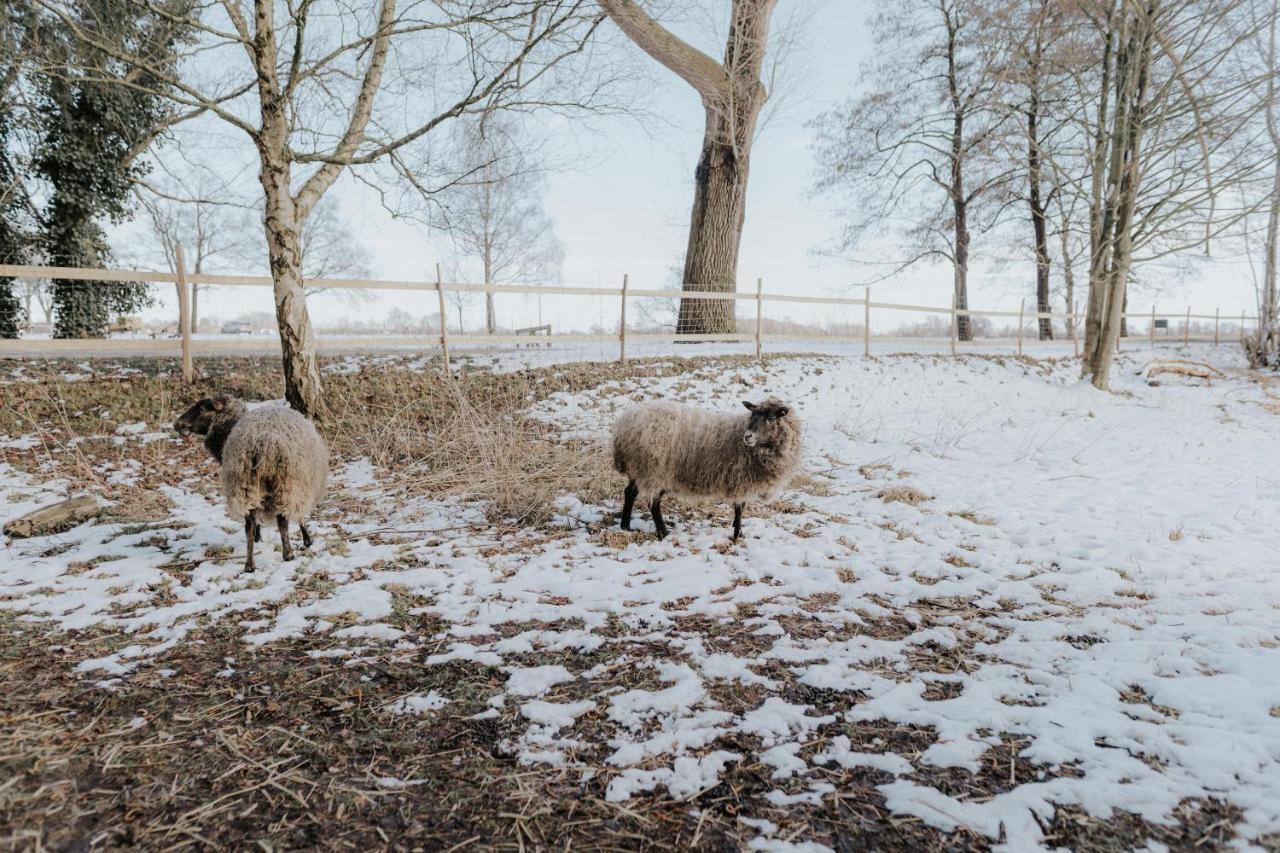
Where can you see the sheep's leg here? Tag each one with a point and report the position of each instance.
(629, 501)
(250, 526)
(655, 509)
(737, 520)
(257, 529)
(306, 535)
(283, 524)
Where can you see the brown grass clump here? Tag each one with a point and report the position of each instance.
(425, 432)
(904, 494)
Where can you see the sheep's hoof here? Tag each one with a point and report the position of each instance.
(626, 527)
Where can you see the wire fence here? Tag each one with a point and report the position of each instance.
(744, 322)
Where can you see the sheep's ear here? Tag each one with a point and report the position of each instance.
(218, 404)
(751, 407)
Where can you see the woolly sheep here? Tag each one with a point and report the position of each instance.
(669, 448)
(273, 464)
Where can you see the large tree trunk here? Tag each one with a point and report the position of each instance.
(302, 386)
(715, 233)
(732, 96)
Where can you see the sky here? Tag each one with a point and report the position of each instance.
(623, 209)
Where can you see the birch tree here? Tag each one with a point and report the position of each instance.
(1163, 145)
(495, 215)
(318, 87)
(915, 160)
(1265, 347)
(733, 95)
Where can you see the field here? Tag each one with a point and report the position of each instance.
(998, 607)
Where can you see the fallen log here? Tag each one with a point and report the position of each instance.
(54, 518)
(1181, 367)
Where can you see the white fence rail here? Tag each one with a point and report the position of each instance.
(442, 338)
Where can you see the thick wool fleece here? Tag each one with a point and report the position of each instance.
(689, 453)
(273, 463)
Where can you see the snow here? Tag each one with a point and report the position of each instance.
(1095, 574)
(416, 704)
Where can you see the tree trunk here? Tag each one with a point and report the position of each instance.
(959, 203)
(732, 96)
(1269, 319)
(715, 234)
(1069, 281)
(302, 387)
(1268, 345)
(1109, 272)
(964, 328)
(1036, 202)
(490, 315)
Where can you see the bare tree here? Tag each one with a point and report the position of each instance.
(496, 216)
(916, 157)
(302, 81)
(732, 97)
(1164, 136)
(1265, 346)
(1033, 41)
(213, 229)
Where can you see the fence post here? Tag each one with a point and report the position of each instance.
(866, 322)
(184, 315)
(759, 314)
(444, 327)
(1151, 333)
(953, 322)
(1021, 308)
(1186, 328)
(1215, 326)
(622, 324)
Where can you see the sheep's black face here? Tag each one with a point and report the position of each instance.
(199, 418)
(767, 425)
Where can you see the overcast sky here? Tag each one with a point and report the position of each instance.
(624, 209)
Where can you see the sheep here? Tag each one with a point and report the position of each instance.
(273, 463)
(668, 448)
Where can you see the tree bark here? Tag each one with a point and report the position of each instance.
(732, 96)
(490, 315)
(959, 202)
(715, 234)
(1109, 271)
(1268, 344)
(1035, 201)
(964, 328)
(302, 384)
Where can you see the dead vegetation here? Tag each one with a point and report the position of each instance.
(905, 493)
(424, 432)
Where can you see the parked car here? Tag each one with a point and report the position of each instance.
(237, 327)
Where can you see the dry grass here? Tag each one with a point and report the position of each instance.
(906, 494)
(425, 433)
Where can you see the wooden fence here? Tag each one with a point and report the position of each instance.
(184, 281)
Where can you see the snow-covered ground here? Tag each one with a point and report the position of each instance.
(1094, 576)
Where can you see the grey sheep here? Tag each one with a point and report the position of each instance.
(273, 464)
(669, 448)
